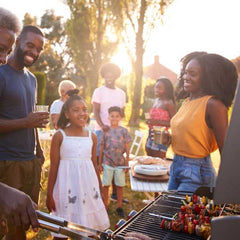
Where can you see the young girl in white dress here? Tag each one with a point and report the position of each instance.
(74, 186)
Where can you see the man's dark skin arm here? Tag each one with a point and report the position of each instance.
(32, 120)
(39, 151)
(17, 207)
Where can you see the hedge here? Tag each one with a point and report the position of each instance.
(41, 89)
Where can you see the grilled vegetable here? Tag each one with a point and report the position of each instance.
(194, 216)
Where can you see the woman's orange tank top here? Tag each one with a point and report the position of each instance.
(191, 137)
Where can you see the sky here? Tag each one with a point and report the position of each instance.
(189, 25)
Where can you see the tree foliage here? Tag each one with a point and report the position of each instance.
(41, 90)
(91, 37)
(29, 20)
(77, 49)
(52, 59)
(139, 18)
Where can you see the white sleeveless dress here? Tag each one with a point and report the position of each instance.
(76, 190)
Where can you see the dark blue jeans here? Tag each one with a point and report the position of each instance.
(187, 174)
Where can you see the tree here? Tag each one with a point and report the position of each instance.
(29, 20)
(140, 17)
(90, 29)
(52, 59)
(41, 90)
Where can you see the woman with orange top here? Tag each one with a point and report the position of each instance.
(200, 125)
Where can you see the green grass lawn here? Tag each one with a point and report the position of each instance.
(135, 198)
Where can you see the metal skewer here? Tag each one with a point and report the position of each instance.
(161, 216)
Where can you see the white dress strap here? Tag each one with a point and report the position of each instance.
(90, 134)
(63, 133)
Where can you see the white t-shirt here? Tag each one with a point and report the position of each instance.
(56, 107)
(108, 97)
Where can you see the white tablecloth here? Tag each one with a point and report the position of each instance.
(46, 135)
(147, 186)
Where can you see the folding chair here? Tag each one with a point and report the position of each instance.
(136, 144)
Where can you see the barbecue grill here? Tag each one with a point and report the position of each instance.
(148, 220)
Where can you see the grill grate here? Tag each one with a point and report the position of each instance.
(150, 225)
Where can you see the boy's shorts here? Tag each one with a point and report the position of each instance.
(109, 173)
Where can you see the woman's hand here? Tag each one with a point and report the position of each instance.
(166, 138)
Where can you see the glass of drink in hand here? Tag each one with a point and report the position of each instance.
(42, 108)
(158, 134)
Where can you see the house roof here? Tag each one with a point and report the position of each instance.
(157, 70)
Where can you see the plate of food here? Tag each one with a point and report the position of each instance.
(151, 170)
(146, 160)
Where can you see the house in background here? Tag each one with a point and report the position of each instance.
(157, 70)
